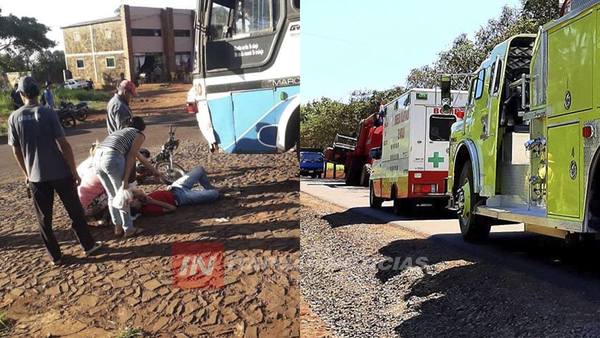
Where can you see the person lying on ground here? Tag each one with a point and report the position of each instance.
(180, 193)
(46, 159)
(114, 161)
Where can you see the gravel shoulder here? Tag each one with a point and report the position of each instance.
(349, 281)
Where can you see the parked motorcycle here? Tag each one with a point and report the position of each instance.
(66, 117)
(163, 162)
(80, 111)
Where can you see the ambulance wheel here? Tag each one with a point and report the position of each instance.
(473, 228)
(365, 175)
(400, 204)
(374, 201)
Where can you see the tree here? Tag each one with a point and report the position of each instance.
(321, 120)
(23, 35)
(48, 66)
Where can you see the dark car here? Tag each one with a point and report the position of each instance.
(311, 164)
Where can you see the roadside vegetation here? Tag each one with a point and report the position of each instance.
(323, 118)
(96, 101)
(5, 324)
(131, 333)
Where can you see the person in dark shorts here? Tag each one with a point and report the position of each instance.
(46, 159)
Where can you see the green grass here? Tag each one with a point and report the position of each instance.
(131, 332)
(5, 109)
(75, 95)
(97, 101)
(5, 324)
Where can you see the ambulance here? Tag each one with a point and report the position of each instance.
(411, 167)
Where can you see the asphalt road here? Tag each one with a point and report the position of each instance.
(545, 258)
(82, 136)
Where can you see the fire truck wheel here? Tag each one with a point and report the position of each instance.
(472, 227)
(374, 201)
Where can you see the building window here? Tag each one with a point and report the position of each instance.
(80, 64)
(108, 34)
(183, 33)
(183, 61)
(110, 62)
(146, 32)
(76, 37)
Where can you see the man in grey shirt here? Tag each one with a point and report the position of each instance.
(46, 159)
(118, 112)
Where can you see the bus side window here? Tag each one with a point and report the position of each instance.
(256, 16)
(219, 22)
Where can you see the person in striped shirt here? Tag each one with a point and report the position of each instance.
(114, 160)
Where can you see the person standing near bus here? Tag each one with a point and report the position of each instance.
(46, 159)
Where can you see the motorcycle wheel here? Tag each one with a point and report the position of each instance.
(170, 174)
(68, 122)
(82, 115)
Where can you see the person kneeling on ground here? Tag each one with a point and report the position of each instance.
(91, 193)
(180, 193)
(114, 161)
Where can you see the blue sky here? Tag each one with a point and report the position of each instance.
(351, 44)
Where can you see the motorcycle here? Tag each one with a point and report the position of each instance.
(79, 111)
(163, 162)
(66, 117)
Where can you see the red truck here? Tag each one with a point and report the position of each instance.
(357, 165)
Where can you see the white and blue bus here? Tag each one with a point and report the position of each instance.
(247, 74)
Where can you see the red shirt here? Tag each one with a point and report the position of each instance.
(159, 195)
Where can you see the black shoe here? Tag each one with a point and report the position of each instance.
(57, 262)
(95, 248)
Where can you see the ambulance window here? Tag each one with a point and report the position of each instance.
(479, 84)
(439, 127)
(407, 101)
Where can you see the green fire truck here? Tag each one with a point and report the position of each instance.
(527, 150)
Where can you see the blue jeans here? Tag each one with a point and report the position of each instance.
(110, 168)
(184, 193)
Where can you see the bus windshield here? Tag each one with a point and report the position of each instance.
(240, 18)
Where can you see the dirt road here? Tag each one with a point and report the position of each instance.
(515, 285)
(160, 108)
(132, 283)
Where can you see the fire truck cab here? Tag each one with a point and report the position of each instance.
(527, 150)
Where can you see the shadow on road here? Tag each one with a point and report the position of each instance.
(385, 215)
(463, 294)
